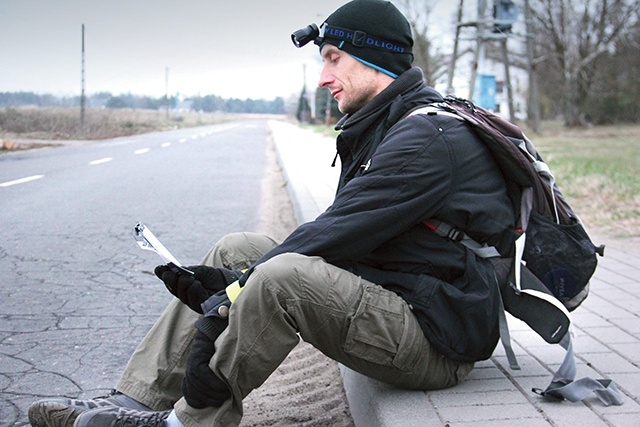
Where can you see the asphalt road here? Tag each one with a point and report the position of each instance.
(77, 294)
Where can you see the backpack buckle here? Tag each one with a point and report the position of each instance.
(455, 234)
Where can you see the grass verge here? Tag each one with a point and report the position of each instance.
(598, 170)
(26, 123)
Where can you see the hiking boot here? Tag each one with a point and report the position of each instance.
(62, 412)
(121, 417)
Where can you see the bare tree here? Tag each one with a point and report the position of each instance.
(427, 56)
(572, 36)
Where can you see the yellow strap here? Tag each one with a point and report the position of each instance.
(233, 290)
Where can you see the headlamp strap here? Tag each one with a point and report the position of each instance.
(359, 39)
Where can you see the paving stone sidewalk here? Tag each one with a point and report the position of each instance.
(606, 335)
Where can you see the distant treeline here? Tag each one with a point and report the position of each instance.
(208, 103)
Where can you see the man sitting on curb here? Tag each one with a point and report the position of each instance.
(366, 283)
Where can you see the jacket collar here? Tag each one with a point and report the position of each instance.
(408, 82)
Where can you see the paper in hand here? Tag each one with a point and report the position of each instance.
(147, 241)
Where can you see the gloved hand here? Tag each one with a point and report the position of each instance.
(200, 386)
(195, 289)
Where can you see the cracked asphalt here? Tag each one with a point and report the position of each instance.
(77, 293)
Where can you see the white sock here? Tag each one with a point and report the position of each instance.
(172, 420)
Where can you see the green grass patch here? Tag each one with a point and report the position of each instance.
(598, 169)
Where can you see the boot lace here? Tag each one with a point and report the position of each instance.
(140, 419)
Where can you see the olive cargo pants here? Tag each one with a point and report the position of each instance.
(359, 324)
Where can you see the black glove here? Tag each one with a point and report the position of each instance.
(200, 386)
(195, 289)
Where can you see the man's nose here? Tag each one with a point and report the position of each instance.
(325, 77)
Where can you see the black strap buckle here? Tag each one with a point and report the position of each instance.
(359, 38)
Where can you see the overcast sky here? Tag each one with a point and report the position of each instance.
(229, 48)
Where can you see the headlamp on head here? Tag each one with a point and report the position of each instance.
(305, 35)
(382, 40)
(340, 36)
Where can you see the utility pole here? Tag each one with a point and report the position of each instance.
(533, 107)
(304, 107)
(479, 55)
(507, 79)
(454, 57)
(504, 14)
(166, 90)
(82, 85)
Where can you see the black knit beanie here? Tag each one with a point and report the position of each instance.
(375, 32)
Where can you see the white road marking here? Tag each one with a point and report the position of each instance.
(93, 162)
(99, 161)
(21, 180)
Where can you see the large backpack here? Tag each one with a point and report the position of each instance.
(545, 272)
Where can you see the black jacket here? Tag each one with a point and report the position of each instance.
(396, 173)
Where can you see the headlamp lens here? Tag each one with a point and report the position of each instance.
(305, 35)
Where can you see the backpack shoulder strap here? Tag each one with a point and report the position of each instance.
(432, 110)
(564, 385)
(546, 315)
(443, 229)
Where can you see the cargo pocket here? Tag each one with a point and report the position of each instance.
(381, 331)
